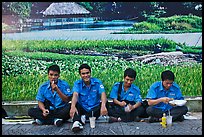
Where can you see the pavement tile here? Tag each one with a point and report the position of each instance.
(187, 127)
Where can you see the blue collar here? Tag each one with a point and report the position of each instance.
(129, 90)
(161, 88)
(91, 82)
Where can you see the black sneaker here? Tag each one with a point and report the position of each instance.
(112, 119)
(137, 119)
(58, 122)
(181, 119)
(152, 119)
(76, 127)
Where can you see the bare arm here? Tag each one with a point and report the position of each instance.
(73, 104)
(157, 101)
(59, 92)
(42, 107)
(103, 104)
(63, 96)
(136, 105)
(122, 104)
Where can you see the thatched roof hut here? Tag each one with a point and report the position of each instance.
(58, 14)
(65, 8)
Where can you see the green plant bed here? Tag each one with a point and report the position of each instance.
(138, 47)
(18, 86)
(99, 45)
(25, 63)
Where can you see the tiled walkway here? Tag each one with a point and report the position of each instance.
(189, 126)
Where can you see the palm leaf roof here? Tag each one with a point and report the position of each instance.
(65, 8)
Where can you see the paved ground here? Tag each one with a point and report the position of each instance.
(190, 126)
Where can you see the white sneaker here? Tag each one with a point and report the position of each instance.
(77, 126)
(58, 122)
(83, 119)
(37, 122)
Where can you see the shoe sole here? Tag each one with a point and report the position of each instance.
(112, 119)
(76, 129)
(36, 124)
(58, 124)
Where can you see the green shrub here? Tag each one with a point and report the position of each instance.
(173, 24)
(178, 26)
(144, 26)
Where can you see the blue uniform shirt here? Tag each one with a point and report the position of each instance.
(89, 97)
(132, 94)
(157, 91)
(45, 92)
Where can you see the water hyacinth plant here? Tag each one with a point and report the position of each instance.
(25, 63)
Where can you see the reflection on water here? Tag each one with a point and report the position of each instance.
(106, 25)
(80, 31)
(102, 25)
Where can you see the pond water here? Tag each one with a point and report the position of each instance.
(98, 31)
(102, 25)
(77, 31)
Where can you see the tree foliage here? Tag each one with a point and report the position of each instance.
(121, 10)
(21, 9)
(142, 10)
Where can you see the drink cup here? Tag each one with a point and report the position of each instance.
(169, 120)
(92, 121)
(127, 109)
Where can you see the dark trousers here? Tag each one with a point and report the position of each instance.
(118, 111)
(81, 111)
(61, 113)
(176, 112)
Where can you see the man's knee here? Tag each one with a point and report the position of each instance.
(30, 112)
(149, 110)
(185, 109)
(63, 112)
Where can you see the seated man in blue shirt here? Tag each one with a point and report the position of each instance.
(53, 100)
(159, 95)
(128, 105)
(87, 94)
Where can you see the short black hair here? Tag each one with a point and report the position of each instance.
(54, 68)
(86, 66)
(130, 73)
(167, 74)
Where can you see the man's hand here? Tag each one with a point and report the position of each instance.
(45, 112)
(73, 110)
(104, 110)
(166, 100)
(131, 107)
(54, 86)
(122, 104)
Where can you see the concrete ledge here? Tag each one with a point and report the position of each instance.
(13, 108)
(194, 104)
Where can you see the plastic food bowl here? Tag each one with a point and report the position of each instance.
(178, 102)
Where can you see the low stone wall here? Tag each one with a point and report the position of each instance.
(194, 104)
(19, 108)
